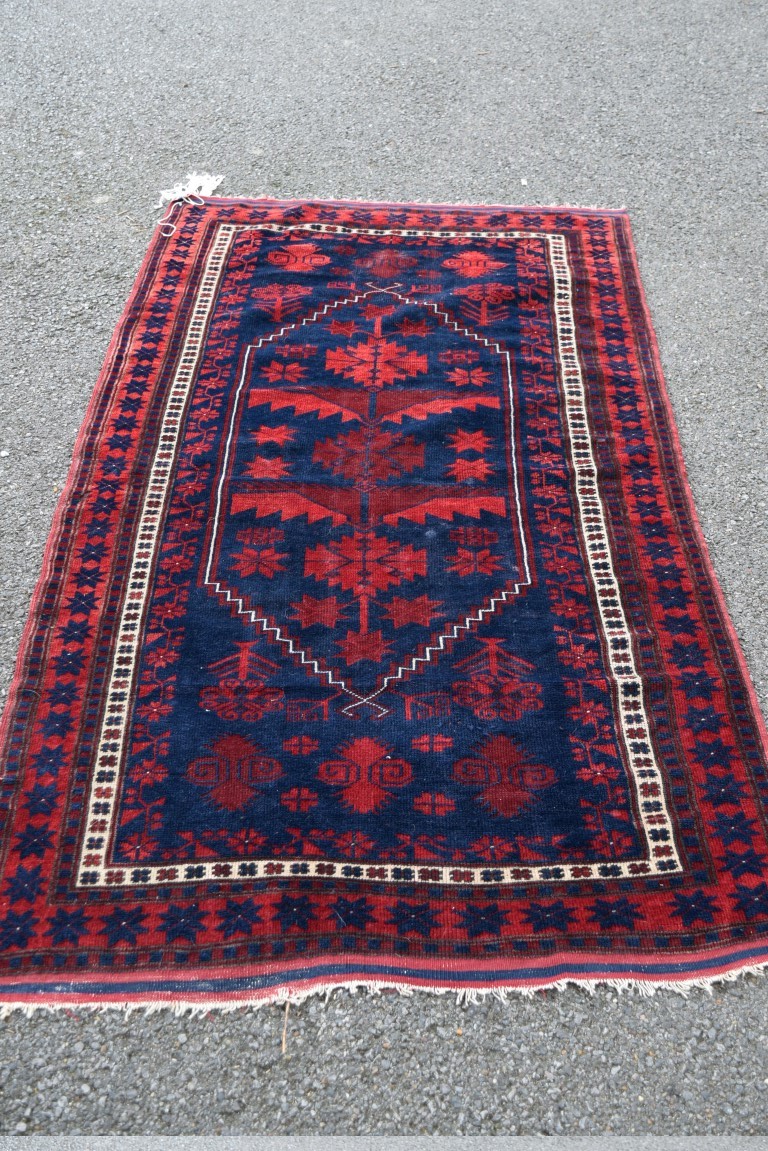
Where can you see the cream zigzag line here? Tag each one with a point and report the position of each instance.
(449, 323)
(221, 590)
(374, 290)
(326, 308)
(249, 613)
(440, 646)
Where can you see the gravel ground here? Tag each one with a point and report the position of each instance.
(384, 1143)
(654, 105)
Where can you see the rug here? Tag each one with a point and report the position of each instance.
(376, 642)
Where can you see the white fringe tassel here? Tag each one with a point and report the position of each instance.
(197, 186)
(464, 996)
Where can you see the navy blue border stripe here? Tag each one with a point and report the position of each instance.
(341, 971)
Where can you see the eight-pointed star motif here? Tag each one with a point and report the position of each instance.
(421, 610)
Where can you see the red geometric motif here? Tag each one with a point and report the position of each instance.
(299, 799)
(364, 564)
(365, 773)
(241, 691)
(386, 264)
(278, 372)
(233, 771)
(499, 686)
(487, 302)
(467, 471)
(507, 781)
(311, 610)
(473, 264)
(301, 745)
(259, 556)
(299, 257)
(421, 610)
(433, 803)
(464, 441)
(279, 435)
(280, 301)
(376, 363)
(370, 457)
(436, 743)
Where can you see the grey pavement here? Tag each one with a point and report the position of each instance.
(661, 106)
(361, 1143)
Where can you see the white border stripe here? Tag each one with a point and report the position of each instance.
(111, 750)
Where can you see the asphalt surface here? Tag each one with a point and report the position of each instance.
(383, 1143)
(661, 107)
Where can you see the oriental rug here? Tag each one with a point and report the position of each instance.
(376, 642)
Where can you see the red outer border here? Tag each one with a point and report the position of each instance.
(59, 515)
(294, 979)
(682, 472)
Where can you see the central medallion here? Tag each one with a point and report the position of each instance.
(368, 511)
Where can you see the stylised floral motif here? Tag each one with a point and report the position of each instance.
(233, 772)
(365, 774)
(299, 257)
(278, 372)
(385, 264)
(248, 700)
(241, 691)
(507, 780)
(364, 563)
(473, 263)
(280, 301)
(259, 556)
(486, 303)
(501, 686)
(370, 457)
(433, 803)
(376, 363)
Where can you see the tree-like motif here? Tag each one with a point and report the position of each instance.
(507, 780)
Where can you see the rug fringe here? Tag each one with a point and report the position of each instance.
(469, 996)
(433, 203)
(196, 186)
(192, 191)
(199, 185)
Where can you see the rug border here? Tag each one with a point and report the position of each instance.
(294, 981)
(200, 992)
(682, 473)
(58, 521)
